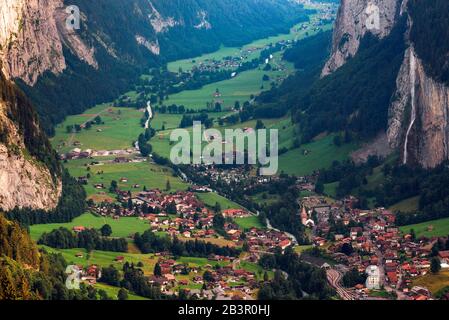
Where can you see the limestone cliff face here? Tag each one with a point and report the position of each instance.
(26, 178)
(419, 122)
(353, 22)
(32, 37)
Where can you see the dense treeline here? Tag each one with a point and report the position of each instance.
(430, 34)
(132, 279)
(302, 278)
(71, 205)
(283, 214)
(149, 242)
(89, 239)
(352, 278)
(308, 55)
(348, 175)
(430, 185)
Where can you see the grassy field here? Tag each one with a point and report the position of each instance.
(321, 154)
(407, 205)
(211, 198)
(120, 228)
(440, 228)
(269, 199)
(145, 174)
(172, 121)
(120, 129)
(239, 88)
(249, 222)
(330, 189)
(106, 258)
(162, 145)
(295, 34)
(433, 282)
(113, 292)
(200, 262)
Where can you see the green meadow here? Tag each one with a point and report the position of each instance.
(249, 222)
(295, 34)
(144, 174)
(121, 228)
(239, 88)
(120, 129)
(211, 198)
(407, 205)
(113, 292)
(440, 228)
(320, 154)
(172, 121)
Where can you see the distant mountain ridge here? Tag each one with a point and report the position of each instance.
(118, 40)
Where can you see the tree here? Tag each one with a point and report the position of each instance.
(347, 249)
(103, 295)
(219, 221)
(207, 276)
(167, 185)
(106, 230)
(114, 186)
(260, 125)
(122, 294)
(157, 270)
(319, 187)
(435, 265)
(217, 207)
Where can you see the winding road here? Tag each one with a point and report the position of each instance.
(334, 278)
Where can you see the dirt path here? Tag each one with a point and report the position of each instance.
(72, 136)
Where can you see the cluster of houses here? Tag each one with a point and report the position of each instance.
(78, 153)
(224, 280)
(377, 245)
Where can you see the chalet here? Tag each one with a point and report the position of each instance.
(121, 160)
(79, 229)
(444, 258)
(284, 244)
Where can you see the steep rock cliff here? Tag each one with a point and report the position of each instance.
(32, 38)
(353, 23)
(418, 113)
(29, 170)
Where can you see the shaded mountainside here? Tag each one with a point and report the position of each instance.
(389, 83)
(118, 41)
(27, 273)
(30, 175)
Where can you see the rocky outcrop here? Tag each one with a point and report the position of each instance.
(32, 37)
(161, 24)
(25, 180)
(204, 24)
(419, 122)
(355, 18)
(153, 46)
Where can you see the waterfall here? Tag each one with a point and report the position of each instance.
(412, 97)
